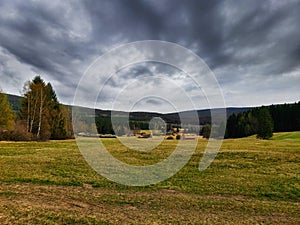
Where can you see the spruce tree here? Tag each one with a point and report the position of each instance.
(265, 124)
(57, 121)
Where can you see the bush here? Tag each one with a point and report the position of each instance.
(15, 136)
(206, 131)
(18, 134)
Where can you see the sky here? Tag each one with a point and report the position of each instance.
(251, 47)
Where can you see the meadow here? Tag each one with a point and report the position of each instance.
(251, 181)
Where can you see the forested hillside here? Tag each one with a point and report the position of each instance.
(242, 122)
(284, 117)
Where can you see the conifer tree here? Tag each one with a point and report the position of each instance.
(265, 124)
(57, 120)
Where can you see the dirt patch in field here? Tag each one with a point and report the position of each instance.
(36, 204)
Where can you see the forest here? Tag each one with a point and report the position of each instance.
(264, 119)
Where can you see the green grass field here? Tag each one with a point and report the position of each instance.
(251, 181)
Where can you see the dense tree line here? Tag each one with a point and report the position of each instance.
(260, 121)
(255, 121)
(286, 117)
(242, 124)
(264, 120)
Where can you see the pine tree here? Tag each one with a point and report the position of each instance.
(265, 124)
(6, 114)
(57, 120)
(231, 128)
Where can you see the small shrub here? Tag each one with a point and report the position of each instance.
(15, 136)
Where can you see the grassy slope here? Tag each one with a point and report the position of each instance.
(250, 181)
(295, 136)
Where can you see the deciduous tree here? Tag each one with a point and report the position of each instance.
(7, 116)
(42, 110)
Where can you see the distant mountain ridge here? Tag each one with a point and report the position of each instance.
(203, 114)
(15, 102)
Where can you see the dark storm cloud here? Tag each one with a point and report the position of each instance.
(243, 42)
(265, 34)
(38, 35)
(129, 19)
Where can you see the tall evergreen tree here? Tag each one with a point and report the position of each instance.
(57, 120)
(6, 114)
(231, 128)
(265, 124)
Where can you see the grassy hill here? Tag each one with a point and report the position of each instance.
(287, 136)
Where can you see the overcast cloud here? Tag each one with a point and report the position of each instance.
(253, 47)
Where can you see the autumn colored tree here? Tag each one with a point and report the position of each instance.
(7, 116)
(42, 111)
